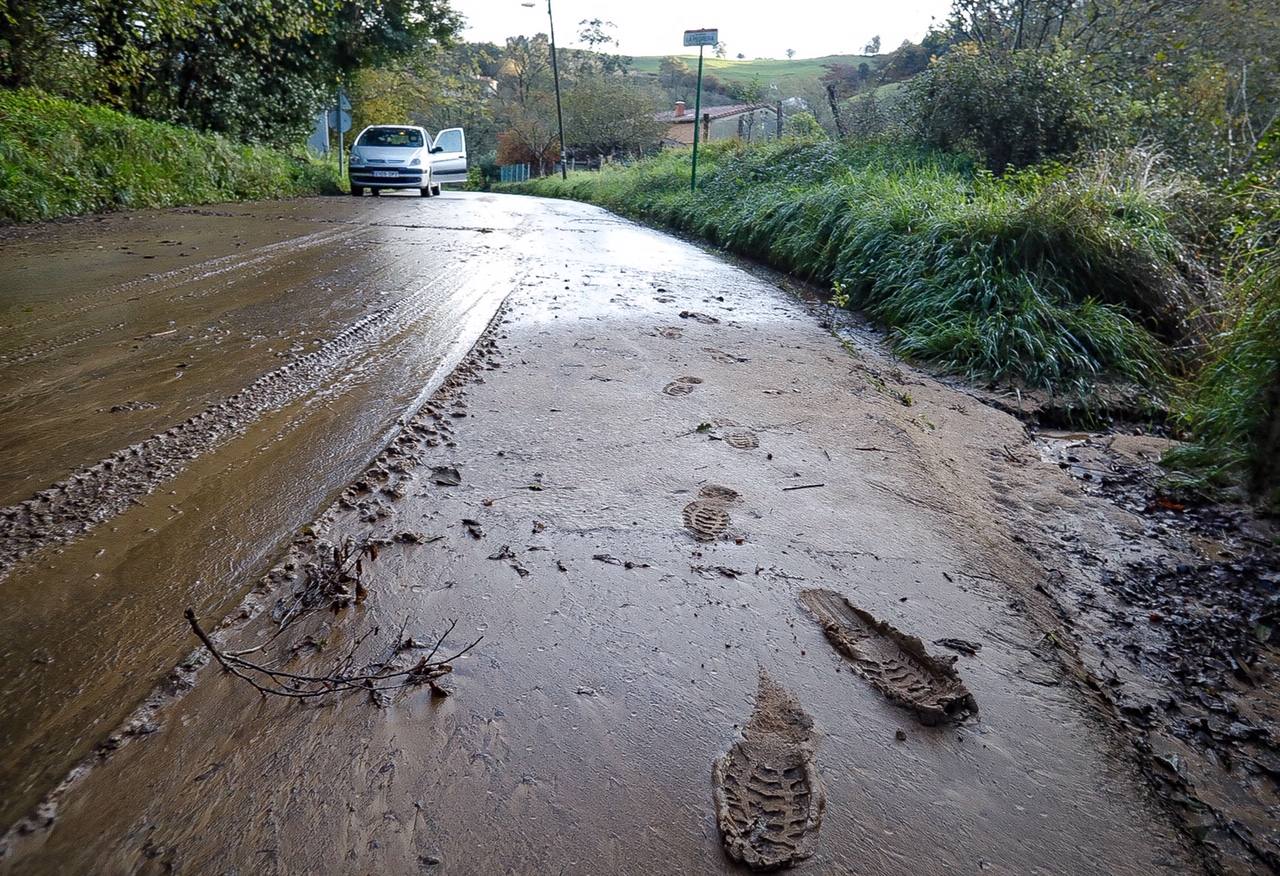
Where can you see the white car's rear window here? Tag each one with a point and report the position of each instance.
(391, 137)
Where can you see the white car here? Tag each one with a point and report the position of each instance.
(404, 157)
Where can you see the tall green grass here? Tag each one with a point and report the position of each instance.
(1049, 277)
(60, 158)
(1232, 405)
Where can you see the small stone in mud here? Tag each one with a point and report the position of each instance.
(901, 735)
(414, 538)
(446, 475)
(964, 646)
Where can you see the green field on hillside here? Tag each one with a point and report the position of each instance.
(768, 69)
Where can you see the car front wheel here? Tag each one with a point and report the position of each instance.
(357, 191)
(426, 193)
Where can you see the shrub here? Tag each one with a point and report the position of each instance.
(59, 158)
(1011, 109)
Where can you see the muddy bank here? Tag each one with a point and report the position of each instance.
(1176, 613)
(627, 500)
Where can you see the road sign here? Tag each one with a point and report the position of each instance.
(702, 37)
(346, 120)
(707, 36)
(342, 99)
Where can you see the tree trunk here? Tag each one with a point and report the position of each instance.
(19, 33)
(111, 46)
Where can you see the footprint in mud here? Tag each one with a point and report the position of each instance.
(769, 797)
(717, 493)
(708, 515)
(741, 439)
(726, 358)
(681, 386)
(670, 333)
(896, 664)
(705, 519)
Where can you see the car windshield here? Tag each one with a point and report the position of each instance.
(391, 137)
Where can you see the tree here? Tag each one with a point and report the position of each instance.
(803, 125)
(526, 63)
(595, 33)
(608, 116)
(673, 72)
(530, 131)
(791, 53)
(740, 56)
(253, 69)
(873, 47)
(721, 49)
(904, 62)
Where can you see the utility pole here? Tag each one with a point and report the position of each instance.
(555, 72)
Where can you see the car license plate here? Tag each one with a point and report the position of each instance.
(386, 173)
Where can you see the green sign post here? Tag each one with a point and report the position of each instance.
(701, 38)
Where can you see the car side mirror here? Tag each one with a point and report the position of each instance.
(436, 149)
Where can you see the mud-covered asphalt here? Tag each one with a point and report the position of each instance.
(181, 390)
(636, 487)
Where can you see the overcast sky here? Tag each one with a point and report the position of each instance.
(757, 29)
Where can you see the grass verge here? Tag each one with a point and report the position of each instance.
(1232, 406)
(60, 158)
(1051, 277)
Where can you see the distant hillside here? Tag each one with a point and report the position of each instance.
(768, 69)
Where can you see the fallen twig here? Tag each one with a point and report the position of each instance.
(803, 487)
(342, 678)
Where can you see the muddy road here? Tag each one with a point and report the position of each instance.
(747, 596)
(180, 391)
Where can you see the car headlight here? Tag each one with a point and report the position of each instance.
(416, 162)
(356, 160)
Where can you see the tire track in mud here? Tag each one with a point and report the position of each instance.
(107, 296)
(769, 796)
(894, 663)
(31, 351)
(94, 493)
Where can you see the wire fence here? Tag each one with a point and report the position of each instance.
(510, 173)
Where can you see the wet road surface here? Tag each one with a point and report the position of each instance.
(295, 333)
(626, 536)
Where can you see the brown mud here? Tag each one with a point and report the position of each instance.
(169, 422)
(536, 499)
(769, 796)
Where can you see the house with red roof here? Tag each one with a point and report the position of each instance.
(740, 121)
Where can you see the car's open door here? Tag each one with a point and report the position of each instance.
(449, 156)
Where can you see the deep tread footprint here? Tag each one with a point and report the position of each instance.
(769, 797)
(896, 664)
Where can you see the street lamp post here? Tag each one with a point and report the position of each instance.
(555, 73)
